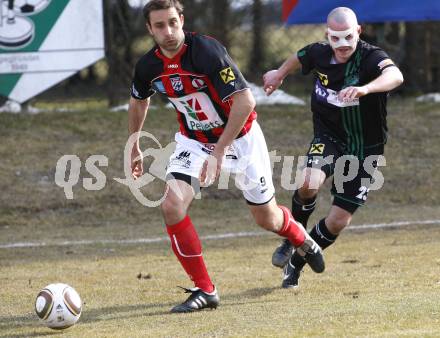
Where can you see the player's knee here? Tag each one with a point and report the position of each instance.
(267, 223)
(337, 222)
(312, 181)
(308, 191)
(267, 220)
(172, 210)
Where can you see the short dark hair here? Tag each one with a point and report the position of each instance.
(155, 5)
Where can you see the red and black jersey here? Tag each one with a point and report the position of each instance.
(199, 82)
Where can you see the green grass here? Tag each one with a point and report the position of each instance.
(377, 283)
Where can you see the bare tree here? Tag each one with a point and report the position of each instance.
(257, 52)
(422, 54)
(220, 14)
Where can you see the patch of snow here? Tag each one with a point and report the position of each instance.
(431, 97)
(277, 97)
(123, 107)
(11, 107)
(34, 110)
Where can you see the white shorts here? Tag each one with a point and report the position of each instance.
(247, 158)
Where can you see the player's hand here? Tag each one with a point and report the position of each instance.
(211, 168)
(137, 167)
(272, 81)
(350, 93)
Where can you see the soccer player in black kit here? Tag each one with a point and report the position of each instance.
(351, 83)
(217, 130)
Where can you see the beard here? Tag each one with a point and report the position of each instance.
(171, 44)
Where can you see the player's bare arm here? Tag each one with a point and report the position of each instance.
(243, 103)
(390, 78)
(274, 78)
(137, 111)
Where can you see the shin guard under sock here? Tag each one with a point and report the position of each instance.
(187, 247)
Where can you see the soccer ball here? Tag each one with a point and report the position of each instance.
(30, 7)
(58, 306)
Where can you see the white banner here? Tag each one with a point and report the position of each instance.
(42, 42)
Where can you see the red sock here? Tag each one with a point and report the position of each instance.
(187, 247)
(291, 229)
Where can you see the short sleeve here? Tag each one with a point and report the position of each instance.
(376, 62)
(306, 57)
(140, 87)
(215, 62)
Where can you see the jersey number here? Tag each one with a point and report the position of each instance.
(363, 193)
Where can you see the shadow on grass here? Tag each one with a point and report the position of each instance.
(252, 293)
(88, 315)
(30, 321)
(34, 334)
(130, 311)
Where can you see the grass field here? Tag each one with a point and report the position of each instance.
(383, 282)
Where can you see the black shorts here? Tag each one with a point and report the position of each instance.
(352, 176)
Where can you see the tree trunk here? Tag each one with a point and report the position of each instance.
(110, 53)
(220, 13)
(421, 64)
(257, 52)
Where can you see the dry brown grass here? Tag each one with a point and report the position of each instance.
(378, 283)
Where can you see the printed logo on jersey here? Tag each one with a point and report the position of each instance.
(176, 83)
(320, 91)
(198, 83)
(194, 109)
(199, 111)
(330, 96)
(158, 86)
(227, 75)
(385, 63)
(317, 149)
(323, 78)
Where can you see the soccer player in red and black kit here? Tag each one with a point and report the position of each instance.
(218, 129)
(351, 83)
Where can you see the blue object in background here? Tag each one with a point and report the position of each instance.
(316, 11)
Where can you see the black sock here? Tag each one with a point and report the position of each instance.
(302, 209)
(297, 261)
(322, 236)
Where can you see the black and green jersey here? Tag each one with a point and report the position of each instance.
(360, 125)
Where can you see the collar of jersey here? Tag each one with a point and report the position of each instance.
(175, 58)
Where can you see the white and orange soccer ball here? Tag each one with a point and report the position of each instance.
(58, 306)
